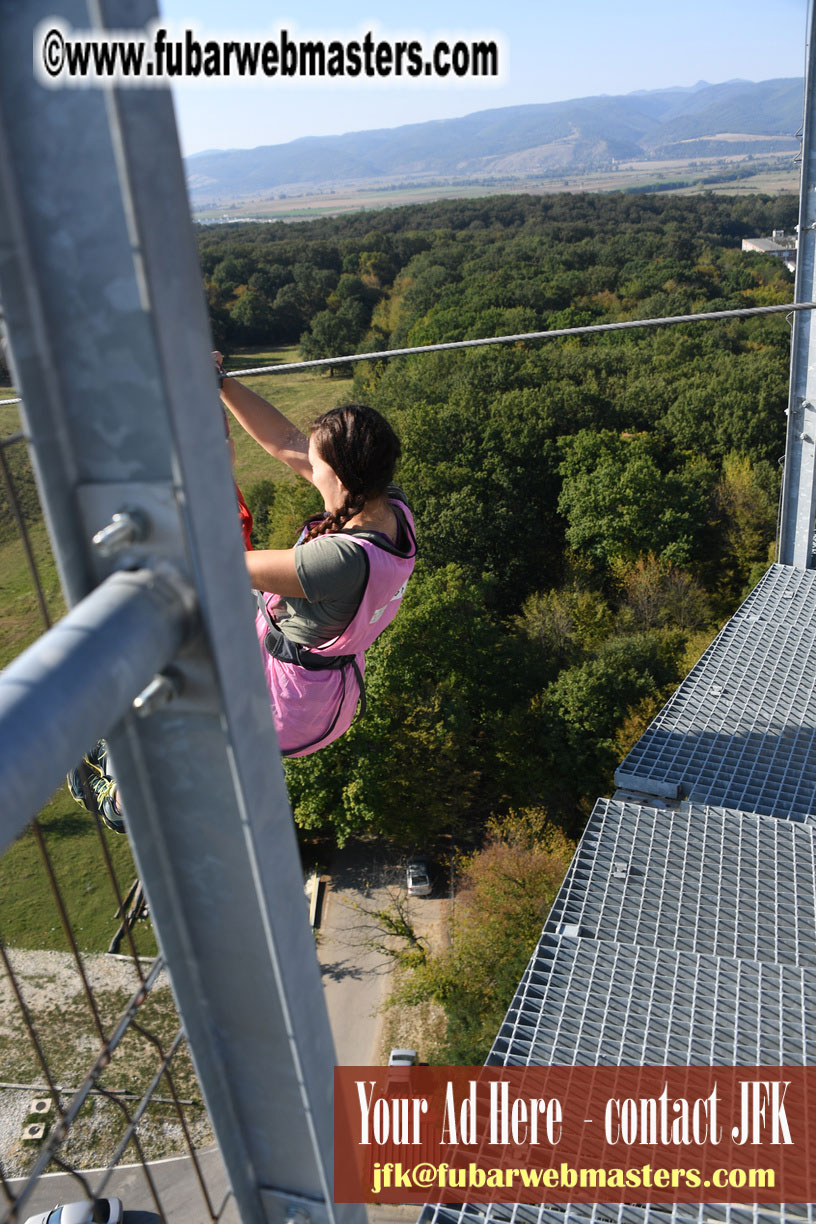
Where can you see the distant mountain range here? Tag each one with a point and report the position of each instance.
(519, 141)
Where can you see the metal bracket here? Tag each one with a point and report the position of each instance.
(286, 1207)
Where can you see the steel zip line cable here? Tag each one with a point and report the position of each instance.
(542, 335)
(624, 325)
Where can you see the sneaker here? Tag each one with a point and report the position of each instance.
(101, 785)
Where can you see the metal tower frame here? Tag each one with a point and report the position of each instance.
(798, 512)
(103, 304)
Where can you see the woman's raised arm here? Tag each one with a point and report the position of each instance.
(269, 427)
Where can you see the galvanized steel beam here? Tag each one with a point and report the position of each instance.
(103, 301)
(798, 511)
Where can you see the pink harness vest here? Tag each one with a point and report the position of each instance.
(312, 708)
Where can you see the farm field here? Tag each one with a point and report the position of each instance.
(774, 177)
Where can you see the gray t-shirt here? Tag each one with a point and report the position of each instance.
(332, 571)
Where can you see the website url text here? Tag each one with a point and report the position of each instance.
(80, 57)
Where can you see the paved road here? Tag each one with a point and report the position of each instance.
(356, 977)
(175, 1182)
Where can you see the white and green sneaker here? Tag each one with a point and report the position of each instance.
(102, 787)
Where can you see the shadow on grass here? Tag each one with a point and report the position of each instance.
(67, 824)
(248, 358)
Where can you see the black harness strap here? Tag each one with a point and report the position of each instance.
(283, 648)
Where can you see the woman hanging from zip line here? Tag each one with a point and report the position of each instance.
(324, 601)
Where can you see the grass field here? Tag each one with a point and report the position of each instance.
(28, 914)
(20, 618)
(29, 917)
(9, 413)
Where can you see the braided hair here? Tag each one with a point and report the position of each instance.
(362, 449)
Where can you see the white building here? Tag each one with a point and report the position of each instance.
(782, 245)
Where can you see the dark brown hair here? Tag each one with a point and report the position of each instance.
(362, 449)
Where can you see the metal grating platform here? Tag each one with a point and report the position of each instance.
(609, 1213)
(686, 934)
(740, 732)
(699, 880)
(589, 1002)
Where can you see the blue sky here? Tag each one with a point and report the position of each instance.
(554, 51)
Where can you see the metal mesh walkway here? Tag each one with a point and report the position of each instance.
(740, 731)
(596, 1003)
(606, 1213)
(700, 880)
(685, 930)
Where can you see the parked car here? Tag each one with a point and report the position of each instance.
(399, 1070)
(103, 1211)
(418, 877)
(402, 1058)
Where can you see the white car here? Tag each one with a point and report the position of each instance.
(418, 877)
(402, 1058)
(104, 1211)
(399, 1070)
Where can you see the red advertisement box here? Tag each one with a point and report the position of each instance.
(575, 1134)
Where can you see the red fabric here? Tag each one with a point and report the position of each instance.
(245, 517)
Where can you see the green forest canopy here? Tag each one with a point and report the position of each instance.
(588, 509)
